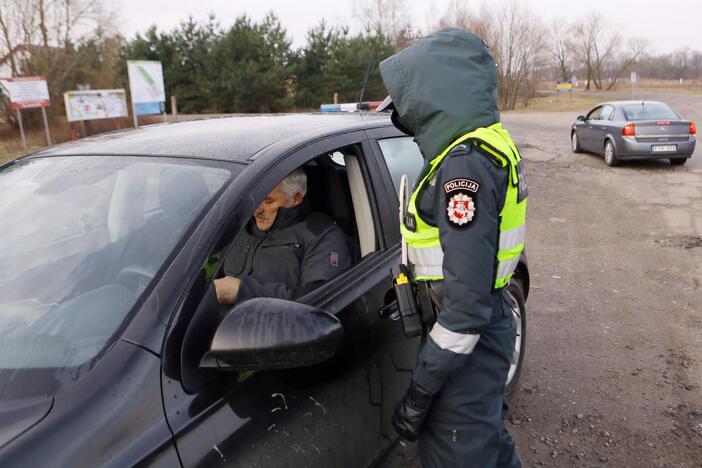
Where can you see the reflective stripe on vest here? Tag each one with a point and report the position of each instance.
(427, 261)
(424, 249)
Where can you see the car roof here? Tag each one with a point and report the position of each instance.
(628, 103)
(236, 138)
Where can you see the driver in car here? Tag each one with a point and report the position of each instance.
(286, 249)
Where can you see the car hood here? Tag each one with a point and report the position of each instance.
(18, 417)
(443, 86)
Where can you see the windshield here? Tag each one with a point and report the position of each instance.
(81, 239)
(649, 111)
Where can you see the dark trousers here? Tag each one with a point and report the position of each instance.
(465, 427)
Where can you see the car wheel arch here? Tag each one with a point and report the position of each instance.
(610, 137)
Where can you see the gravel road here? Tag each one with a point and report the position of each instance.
(613, 370)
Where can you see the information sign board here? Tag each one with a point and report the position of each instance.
(95, 104)
(26, 91)
(146, 88)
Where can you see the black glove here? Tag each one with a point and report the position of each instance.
(411, 411)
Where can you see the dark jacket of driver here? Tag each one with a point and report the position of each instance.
(300, 252)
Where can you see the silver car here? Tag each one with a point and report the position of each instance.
(622, 130)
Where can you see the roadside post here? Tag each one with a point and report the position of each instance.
(95, 104)
(148, 93)
(565, 87)
(634, 83)
(26, 92)
(174, 107)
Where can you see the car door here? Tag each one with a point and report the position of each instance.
(331, 414)
(587, 134)
(601, 127)
(397, 155)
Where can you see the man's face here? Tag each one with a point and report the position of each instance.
(267, 211)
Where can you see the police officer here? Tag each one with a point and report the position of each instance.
(464, 228)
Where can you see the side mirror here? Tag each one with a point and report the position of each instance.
(267, 333)
(581, 118)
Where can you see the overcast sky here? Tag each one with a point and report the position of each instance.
(667, 25)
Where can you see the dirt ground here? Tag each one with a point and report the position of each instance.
(613, 370)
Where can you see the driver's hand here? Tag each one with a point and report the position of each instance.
(227, 289)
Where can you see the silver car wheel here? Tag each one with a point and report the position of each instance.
(609, 156)
(518, 342)
(574, 142)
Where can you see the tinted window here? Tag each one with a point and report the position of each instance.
(402, 157)
(649, 111)
(82, 238)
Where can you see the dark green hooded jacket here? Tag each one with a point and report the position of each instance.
(443, 86)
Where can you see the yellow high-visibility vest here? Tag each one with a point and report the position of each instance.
(423, 246)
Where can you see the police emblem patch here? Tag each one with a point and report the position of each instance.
(461, 209)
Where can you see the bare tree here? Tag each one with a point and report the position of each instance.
(47, 37)
(696, 64)
(583, 45)
(560, 48)
(8, 42)
(457, 15)
(596, 48)
(632, 53)
(515, 38)
(681, 61)
(390, 18)
(18, 28)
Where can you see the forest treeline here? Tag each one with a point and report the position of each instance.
(252, 65)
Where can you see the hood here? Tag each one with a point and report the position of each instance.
(443, 86)
(16, 418)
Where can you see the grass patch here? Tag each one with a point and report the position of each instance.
(11, 145)
(559, 103)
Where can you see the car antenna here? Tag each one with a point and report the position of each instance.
(365, 80)
(371, 55)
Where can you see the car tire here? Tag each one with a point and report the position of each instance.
(610, 155)
(678, 161)
(575, 142)
(519, 311)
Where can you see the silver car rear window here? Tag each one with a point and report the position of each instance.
(649, 111)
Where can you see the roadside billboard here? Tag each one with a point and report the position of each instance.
(95, 104)
(26, 91)
(146, 86)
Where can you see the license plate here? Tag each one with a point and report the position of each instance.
(660, 148)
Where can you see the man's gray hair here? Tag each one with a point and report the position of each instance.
(295, 182)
